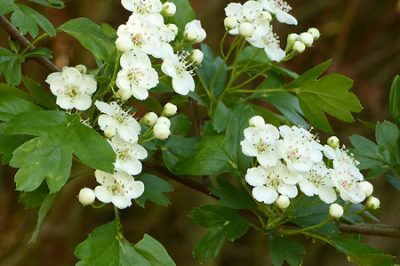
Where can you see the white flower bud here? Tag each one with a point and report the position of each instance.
(150, 119)
(170, 109)
(307, 38)
(333, 142)
(190, 36)
(169, 9)
(373, 203)
(109, 132)
(367, 188)
(266, 15)
(299, 47)
(315, 33)
(124, 95)
(336, 211)
(86, 196)
(123, 44)
(197, 56)
(256, 121)
(81, 68)
(163, 121)
(291, 39)
(283, 202)
(173, 28)
(161, 131)
(230, 23)
(246, 29)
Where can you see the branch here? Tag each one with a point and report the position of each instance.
(24, 42)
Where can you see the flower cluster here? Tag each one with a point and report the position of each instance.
(146, 35)
(160, 126)
(73, 88)
(289, 158)
(252, 20)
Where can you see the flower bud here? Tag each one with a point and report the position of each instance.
(173, 28)
(291, 39)
(367, 188)
(81, 68)
(150, 119)
(164, 121)
(230, 23)
(315, 33)
(161, 131)
(197, 56)
(373, 203)
(283, 202)
(190, 36)
(170, 110)
(307, 38)
(123, 44)
(299, 47)
(86, 196)
(246, 29)
(169, 9)
(266, 15)
(124, 95)
(336, 211)
(333, 142)
(256, 121)
(109, 132)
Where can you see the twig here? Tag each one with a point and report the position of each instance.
(14, 33)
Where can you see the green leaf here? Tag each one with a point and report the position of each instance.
(219, 121)
(394, 180)
(91, 36)
(155, 189)
(11, 105)
(105, 246)
(176, 149)
(35, 198)
(285, 249)
(50, 3)
(231, 196)
(387, 137)
(183, 16)
(208, 159)
(39, 95)
(6, 6)
(224, 224)
(43, 211)
(38, 19)
(49, 155)
(367, 153)
(10, 66)
(8, 143)
(39, 52)
(362, 254)
(180, 125)
(238, 121)
(253, 56)
(394, 100)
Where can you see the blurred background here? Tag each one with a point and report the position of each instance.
(363, 39)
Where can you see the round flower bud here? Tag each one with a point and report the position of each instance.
(283, 202)
(307, 39)
(266, 15)
(190, 36)
(299, 47)
(246, 29)
(164, 121)
(173, 28)
(150, 119)
(230, 23)
(161, 131)
(197, 56)
(124, 95)
(170, 109)
(333, 142)
(314, 32)
(109, 132)
(169, 9)
(256, 121)
(123, 44)
(336, 211)
(86, 196)
(373, 203)
(81, 68)
(367, 188)
(291, 39)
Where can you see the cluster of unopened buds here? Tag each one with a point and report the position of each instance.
(252, 20)
(288, 158)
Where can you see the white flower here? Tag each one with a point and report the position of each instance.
(161, 131)
(72, 88)
(318, 181)
(281, 10)
(117, 121)
(143, 7)
(343, 162)
(233, 11)
(336, 211)
(271, 45)
(128, 156)
(194, 32)
(136, 76)
(269, 182)
(119, 188)
(246, 29)
(86, 196)
(181, 71)
(298, 148)
(261, 142)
